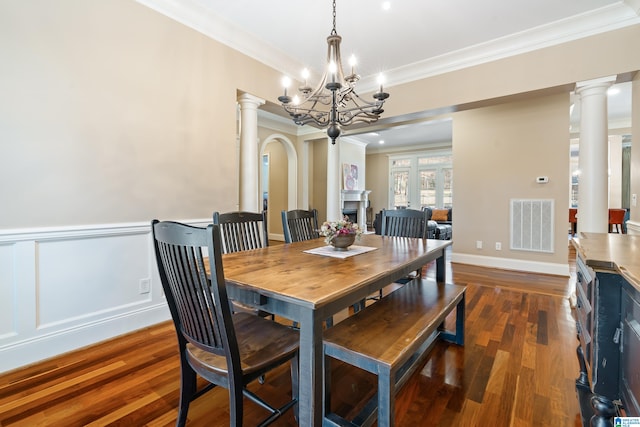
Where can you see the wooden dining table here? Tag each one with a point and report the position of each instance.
(309, 288)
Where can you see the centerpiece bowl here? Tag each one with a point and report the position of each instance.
(342, 242)
(340, 234)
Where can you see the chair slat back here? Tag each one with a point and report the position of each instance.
(404, 223)
(299, 225)
(242, 231)
(199, 304)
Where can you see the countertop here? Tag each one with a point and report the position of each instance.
(617, 253)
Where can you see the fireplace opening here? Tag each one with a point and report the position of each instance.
(352, 214)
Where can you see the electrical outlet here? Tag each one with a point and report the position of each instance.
(498, 246)
(145, 286)
(479, 244)
(634, 199)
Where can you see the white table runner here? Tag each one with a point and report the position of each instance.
(330, 251)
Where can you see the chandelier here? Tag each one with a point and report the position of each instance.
(334, 102)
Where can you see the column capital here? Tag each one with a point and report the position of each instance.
(248, 100)
(602, 83)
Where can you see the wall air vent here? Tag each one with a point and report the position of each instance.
(532, 225)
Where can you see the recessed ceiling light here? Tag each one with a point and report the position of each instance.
(381, 141)
(386, 5)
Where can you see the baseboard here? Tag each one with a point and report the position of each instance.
(276, 237)
(633, 227)
(512, 264)
(37, 349)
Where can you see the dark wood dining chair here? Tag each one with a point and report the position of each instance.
(299, 225)
(243, 231)
(616, 220)
(226, 349)
(405, 223)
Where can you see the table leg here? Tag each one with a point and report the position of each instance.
(441, 269)
(311, 411)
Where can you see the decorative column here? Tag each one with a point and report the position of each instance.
(334, 210)
(249, 162)
(593, 190)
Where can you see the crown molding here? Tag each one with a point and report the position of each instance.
(634, 5)
(193, 15)
(619, 15)
(594, 22)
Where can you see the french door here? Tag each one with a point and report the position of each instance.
(421, 180)
(401, 188)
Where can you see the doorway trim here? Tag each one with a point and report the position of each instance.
(292, 167)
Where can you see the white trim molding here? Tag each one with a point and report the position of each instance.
(512, 264)
(633, 227)
(198, 16)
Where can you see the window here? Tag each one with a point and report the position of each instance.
(421, 180)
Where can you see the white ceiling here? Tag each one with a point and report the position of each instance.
(410, 40)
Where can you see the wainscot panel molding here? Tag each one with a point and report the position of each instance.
(62, 288)
(512, 264)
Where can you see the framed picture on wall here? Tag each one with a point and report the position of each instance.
(349, 176)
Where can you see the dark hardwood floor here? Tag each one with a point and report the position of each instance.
(517, 368)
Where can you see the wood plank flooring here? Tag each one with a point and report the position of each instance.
(518, 368)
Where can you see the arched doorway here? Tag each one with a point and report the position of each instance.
(278, 175)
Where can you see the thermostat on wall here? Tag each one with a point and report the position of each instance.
(542, 179)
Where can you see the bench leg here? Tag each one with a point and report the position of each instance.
(327, 385)
(386, 399)
(458, 336)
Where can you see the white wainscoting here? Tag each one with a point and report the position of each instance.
(69, 287)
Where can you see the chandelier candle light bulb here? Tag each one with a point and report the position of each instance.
(381, 82)
(286, 82)
(305, 75)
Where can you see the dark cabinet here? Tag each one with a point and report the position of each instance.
(630, 349)
(607, 320)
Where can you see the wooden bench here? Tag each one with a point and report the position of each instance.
(390, 338)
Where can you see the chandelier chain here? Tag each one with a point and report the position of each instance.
(334, 32)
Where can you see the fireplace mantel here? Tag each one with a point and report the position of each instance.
(358, 200)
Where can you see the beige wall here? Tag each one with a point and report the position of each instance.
(498, 152)
(111, 112)
(377, 176)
